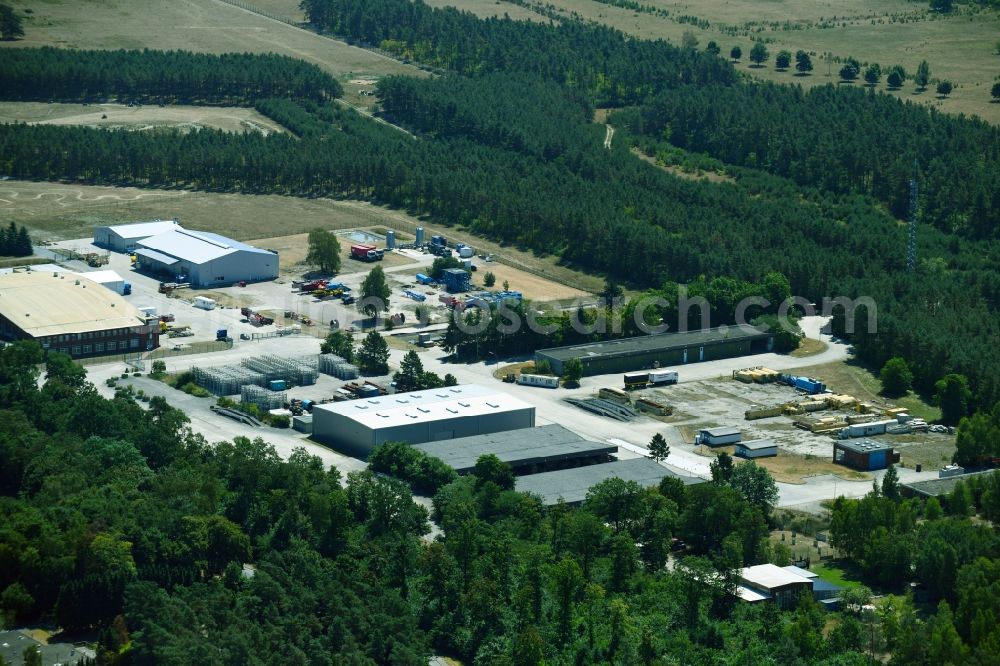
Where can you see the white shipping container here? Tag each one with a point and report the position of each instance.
(204, 303)
(662, 377)
(538, 380)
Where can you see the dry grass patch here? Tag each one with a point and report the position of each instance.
(809, 347)
(205, 26)
(532, 286)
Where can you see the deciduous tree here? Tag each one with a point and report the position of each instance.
(324, 251)
(572, 372)
(783, 60)
(873, 73)
(923, 75)
(374, 293)
(340, 343)
(952, 395)
(759, 54)
(803, 62)
(896, 377)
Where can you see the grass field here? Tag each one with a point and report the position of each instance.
(56, 211)
(959, 47)
(117, 116)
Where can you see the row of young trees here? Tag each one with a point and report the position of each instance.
(176, 77)
(15, 241)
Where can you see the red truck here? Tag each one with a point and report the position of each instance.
(366, 253)
(308, 287)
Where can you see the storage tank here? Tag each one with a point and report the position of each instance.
(420, 237)
(390, 240)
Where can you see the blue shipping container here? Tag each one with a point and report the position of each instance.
(277, 385)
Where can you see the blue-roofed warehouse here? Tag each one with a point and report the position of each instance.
(204, 259)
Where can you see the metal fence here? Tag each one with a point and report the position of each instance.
(262, 397)
(331, 364)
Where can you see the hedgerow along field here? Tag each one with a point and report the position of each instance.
(960, 47)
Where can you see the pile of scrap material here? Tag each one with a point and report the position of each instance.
(763, 411)
(647, 405)
(820, 425)
(756, 375)
(842, 401)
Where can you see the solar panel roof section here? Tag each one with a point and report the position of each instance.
(525, 446)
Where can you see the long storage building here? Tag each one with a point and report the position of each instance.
(204, 259)
(125, 237)
(358, 426)
(572, 485)
(526, 450)
(656, 351)
(72, 314)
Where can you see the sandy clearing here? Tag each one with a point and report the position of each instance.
(532, 286)
(230, 119)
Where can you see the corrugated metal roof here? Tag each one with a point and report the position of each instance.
(757, 444)
(429, 405)
(652, 343)
(156, 256)
(197, 247)
(721, 431)
(572, 484)
(770, 576)
(41, 304)
(144, 229)
(524, 446)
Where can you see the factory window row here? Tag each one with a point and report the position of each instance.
(72, 337)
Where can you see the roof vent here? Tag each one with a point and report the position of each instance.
(463, 404)
(493, 405)
(452, 410)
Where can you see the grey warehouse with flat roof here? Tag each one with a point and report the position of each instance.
(572, 485)
(660, 351)
(358, 426)
(522, 449)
